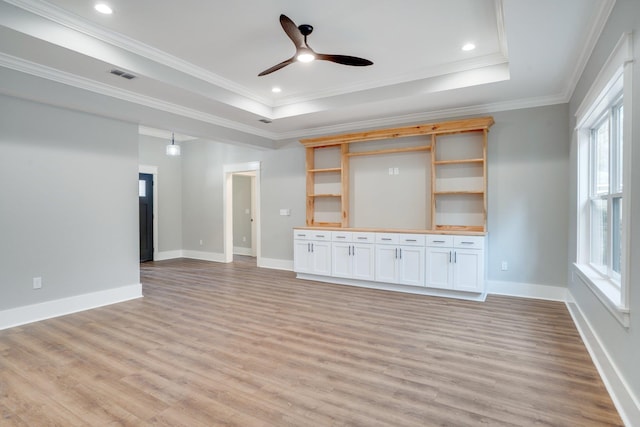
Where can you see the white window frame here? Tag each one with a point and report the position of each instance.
(613, 82)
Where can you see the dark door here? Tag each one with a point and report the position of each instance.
(145, 193)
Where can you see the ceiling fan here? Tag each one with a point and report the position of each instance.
(298, 35)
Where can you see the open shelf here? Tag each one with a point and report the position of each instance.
(448, 171)
(457, 162)
(325, 170)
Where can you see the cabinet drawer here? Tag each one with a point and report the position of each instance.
(387, 238)
(320, 235)
(439, 240)
(311, 235)
(341, 236)
(363, 237)
(412, 239)
(301, 234)
(469, 242)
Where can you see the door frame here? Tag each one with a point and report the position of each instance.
(228, 171)
(153, 170)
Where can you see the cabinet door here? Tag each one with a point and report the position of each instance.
(386, 263)
(321, 257)
(341, 259)
(302, 256)
(468, 272)
(362, 257)
(411, 265)
(439, 268)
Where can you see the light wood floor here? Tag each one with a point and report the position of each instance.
(232, 345)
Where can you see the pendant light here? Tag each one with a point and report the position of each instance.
(173, 149)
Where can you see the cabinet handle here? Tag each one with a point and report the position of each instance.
(396, 253)
(449, 257)
(353, 250)
(400, 253)
(455, 257)
(312, 247)
(320, 236)
(302, 235)
(411, 240)
(438, 241)
(308, 247)
(363, 238)
(349, 250)
(341, 237)
(385, 238)
(467, 243)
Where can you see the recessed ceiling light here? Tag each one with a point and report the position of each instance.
(468, 46)
(103, 8)
(276, 89)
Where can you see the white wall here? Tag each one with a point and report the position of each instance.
(68, 204)
(622, 344)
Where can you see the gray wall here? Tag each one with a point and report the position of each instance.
(622, 345)
(241, 218)
(528, 161)
(169, 187)
(68, 203)
(282, 186)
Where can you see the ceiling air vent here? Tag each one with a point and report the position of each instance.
(265, 120)
(122, 74)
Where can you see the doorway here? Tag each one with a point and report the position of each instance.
(244, 207)
(145, 213)
(252, 170)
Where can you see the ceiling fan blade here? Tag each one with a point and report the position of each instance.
(278, 66)
(344, 59)
(292, 31)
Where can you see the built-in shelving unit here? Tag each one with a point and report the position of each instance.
(458, 173)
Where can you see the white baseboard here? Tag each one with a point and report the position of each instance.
(60, 307)
(203, 256)
(626, 403)
(276, 264)
(527, 290)
(164, 255)
(239, 250)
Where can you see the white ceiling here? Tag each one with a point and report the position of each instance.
(197, 61)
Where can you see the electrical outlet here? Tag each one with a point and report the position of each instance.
(390, 171)
(200, 242)
(244, 238)
(37, 282)
(505, 266)
(396, 171)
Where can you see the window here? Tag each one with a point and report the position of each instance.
(603, 137)
(605, 193)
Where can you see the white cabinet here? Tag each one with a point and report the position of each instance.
(400, 259)
(455, 262)
(312, 252)
(352, 255)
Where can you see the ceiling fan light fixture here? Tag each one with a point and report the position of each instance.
(305, 56)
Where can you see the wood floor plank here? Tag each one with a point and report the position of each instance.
(216, 344)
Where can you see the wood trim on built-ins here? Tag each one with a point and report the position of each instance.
(450, 127)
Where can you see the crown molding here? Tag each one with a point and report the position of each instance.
(74, 22)
(428, 116)
(69, 79)
(423, 74)
(602, 15)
